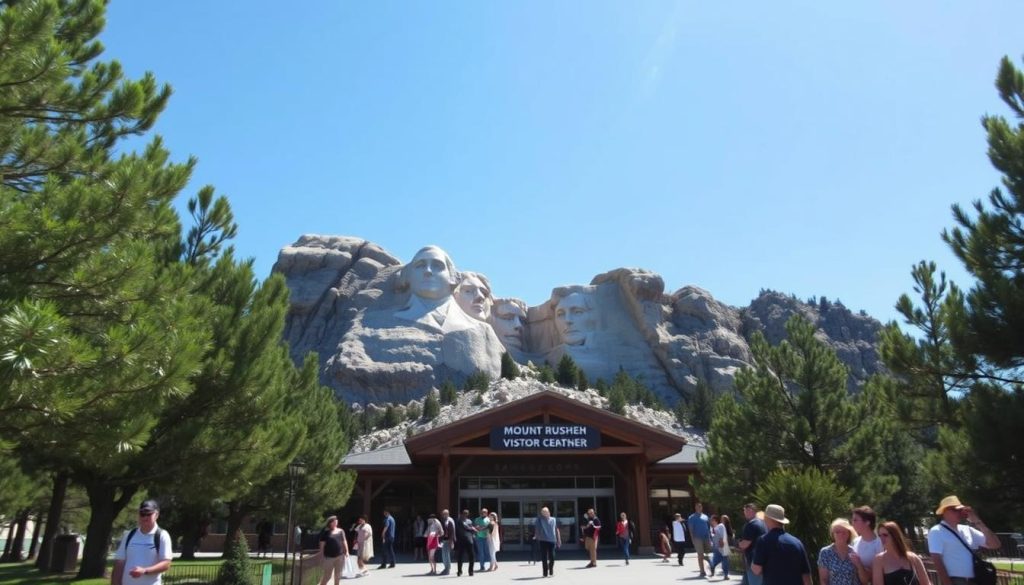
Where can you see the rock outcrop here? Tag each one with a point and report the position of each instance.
(380, 342)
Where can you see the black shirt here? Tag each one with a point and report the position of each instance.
(332, 543)
(466, 531)
(752, 530)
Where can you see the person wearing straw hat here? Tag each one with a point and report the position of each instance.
(951, 544)
(780, 558)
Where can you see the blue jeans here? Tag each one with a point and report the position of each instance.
(752, 579)
(389, 552)
(624, 547)
(446, 555)
(716, 558)
(482, 555)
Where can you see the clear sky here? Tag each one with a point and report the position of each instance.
(804, 146)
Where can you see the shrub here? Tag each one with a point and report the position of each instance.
(812, 499)
(236, 569)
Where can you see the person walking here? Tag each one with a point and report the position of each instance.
(952, 545)
(144, 554)
(387, 538)
(835, 561)
(494, 540)
(434, 532)
(545, 531)
(679, 537)
(700, 535)
(447, 540)
(780, 558)
(866, 546)
(624, 535)
(896, 565)
(333, 551)
(591, 531)
(364, 544)
(753, 530)
(721, 532)
(466, 545)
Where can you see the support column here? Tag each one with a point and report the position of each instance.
(367, 496)
(444, 484)
(643, 507)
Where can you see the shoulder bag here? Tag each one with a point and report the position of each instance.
(984, 571)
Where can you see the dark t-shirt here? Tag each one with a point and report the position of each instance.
(332, 543)
(589, 531)
(782, 558)
(752, 530)
(465, 531)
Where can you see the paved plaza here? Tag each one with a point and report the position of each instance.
(569, 567)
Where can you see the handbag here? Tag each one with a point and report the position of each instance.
(984, 571)
(349, 571)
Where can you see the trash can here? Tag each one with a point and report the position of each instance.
(64, 558)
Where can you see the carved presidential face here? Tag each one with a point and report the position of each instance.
(507, 319)
(429, 275)
(571, 319)
(474, 296)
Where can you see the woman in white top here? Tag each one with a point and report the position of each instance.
(494, 541)
(364, 544)
(721, 532)
(434, 531)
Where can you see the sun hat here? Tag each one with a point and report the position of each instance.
(776, 512)
(946, 503)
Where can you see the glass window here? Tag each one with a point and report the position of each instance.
(469, 483)
(488, 483)
(605, 482)
(584, 482)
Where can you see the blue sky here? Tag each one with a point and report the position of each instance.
(809, 147)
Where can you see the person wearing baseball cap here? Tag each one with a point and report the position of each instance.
(951, 544)
(780, 558)
(144, 553)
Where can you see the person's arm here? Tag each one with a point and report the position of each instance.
(323, 543)
(876, 570)
(156, 569)
(940, 569)
(991, 540)
(862, 572)
(822, 575)
(118, 573)
(919, 570)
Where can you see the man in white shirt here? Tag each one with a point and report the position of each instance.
(954, 563)
(679, 537)
(867, 544)
(144, 553)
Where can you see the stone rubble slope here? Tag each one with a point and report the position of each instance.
(504, 391)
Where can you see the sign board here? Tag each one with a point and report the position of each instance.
(544, 437)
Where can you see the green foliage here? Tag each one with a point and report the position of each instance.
(793, 411)
(616, 401)
(546, 374)
(601, 386)
(581, 380)
(565, 372)
(431, 407)
(391, 418)
(413, 412)
(700, 405)
(448, 393)
(994, 425)
(478, 381)
(237, 568)
(812, 499)
(509, 368)
(478, 400)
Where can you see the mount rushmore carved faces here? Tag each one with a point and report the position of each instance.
(507, 317)
(572, 318)
(474, 295)
(430, 274)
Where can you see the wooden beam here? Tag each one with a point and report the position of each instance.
(444, 483)
(643, 507)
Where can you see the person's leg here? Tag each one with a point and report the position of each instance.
(680, 551)
(698, 547)
(460, 550)
(543, 557)
(325, 571)
(716, 557)
(725, 566)
(446, 556)
(471, 551)
(551, 560)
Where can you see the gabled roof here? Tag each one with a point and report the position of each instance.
(632, 437)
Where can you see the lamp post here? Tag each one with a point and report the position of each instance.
(295, 469)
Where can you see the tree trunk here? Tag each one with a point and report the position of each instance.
(236, 515)
(33, 547)
(193, 528)
(18, 547)
(53, 517)
(104, 506)
(6, 558)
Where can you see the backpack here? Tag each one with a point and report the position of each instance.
(156, 540)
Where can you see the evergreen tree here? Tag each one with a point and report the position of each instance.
(391, 418)
(509, 368)
(565, 372)
(794, 411)
(581, 380)
(449, 395)
(701, 405)
(616, 401)
(601, 386)
(812, 499)
(413, 412)
(236, 568)
(546, 374)
(431, 407)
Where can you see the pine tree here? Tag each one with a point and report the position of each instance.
(546, 374)
(413, 412)
(701, 405)
(812, 499)
(391, 418)
(601, 386)
(431, 407)
(581, 380)
(616, 401)
(794, 411)
(565, 372)
(449, 395)
(236, 568)
(509, 368)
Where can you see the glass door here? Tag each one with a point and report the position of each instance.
(512, 525)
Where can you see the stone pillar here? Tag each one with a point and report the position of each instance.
(367, 496)
(643, 507)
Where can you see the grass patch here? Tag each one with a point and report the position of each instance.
(27, 574)
(1012, 566)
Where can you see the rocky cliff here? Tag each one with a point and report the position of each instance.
(380, 339)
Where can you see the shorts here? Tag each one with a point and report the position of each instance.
(702, 546)
(432, 542)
